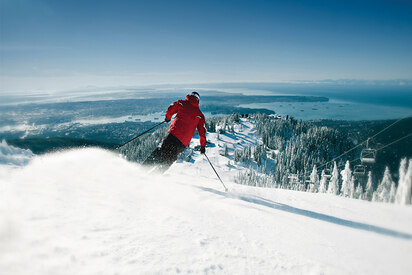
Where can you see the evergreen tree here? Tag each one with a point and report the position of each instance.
(369, 188)
(408, 178)
(358, 192)
(392, 193)
(382, 193)
(347, 183)
(323, 182)
(225, 150)
(314, 179)
(236, 155)
(352, 187)
(211, 126)
(333, 187)
(403, 194)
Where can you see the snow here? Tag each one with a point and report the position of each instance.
(13, 156)
(89, 211)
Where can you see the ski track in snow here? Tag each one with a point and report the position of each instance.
(89, 211)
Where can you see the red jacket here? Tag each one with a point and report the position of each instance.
(188, 118)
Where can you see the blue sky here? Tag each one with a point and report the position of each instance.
(69, 44)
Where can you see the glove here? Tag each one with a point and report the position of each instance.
(202, 149)
(167, 120)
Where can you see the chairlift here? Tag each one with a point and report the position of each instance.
(293, 177)
(328, 173)
(368, 155)
(360, 170)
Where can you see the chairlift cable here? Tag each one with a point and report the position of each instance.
(410, 134)
(360, 144)
(389, 144)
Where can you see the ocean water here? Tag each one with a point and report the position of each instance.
(345, 103)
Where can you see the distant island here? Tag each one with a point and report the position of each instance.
(227, 104)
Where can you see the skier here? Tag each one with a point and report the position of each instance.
(188, 118)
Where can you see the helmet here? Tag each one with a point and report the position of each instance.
(196, 94)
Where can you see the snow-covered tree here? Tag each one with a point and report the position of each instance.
(347, 181)
(358, 192)
(225, 153)
(352, 187)
(259, 154)
(314, 180)
(392, 193)
(403, 194)
(333, 187)
(211, 126)
(369, 188)
(236, 155)
(323, 182)
(382, 193)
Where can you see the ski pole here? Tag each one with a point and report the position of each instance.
(157, 125)
(216, 172)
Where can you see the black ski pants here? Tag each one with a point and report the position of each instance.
(164, 156)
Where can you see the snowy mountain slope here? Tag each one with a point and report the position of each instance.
(90, 211)
(244, 135)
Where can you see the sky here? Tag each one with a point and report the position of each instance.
(71, 44)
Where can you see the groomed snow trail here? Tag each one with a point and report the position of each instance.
(91, 212)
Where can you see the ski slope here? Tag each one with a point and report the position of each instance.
(89, 211)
